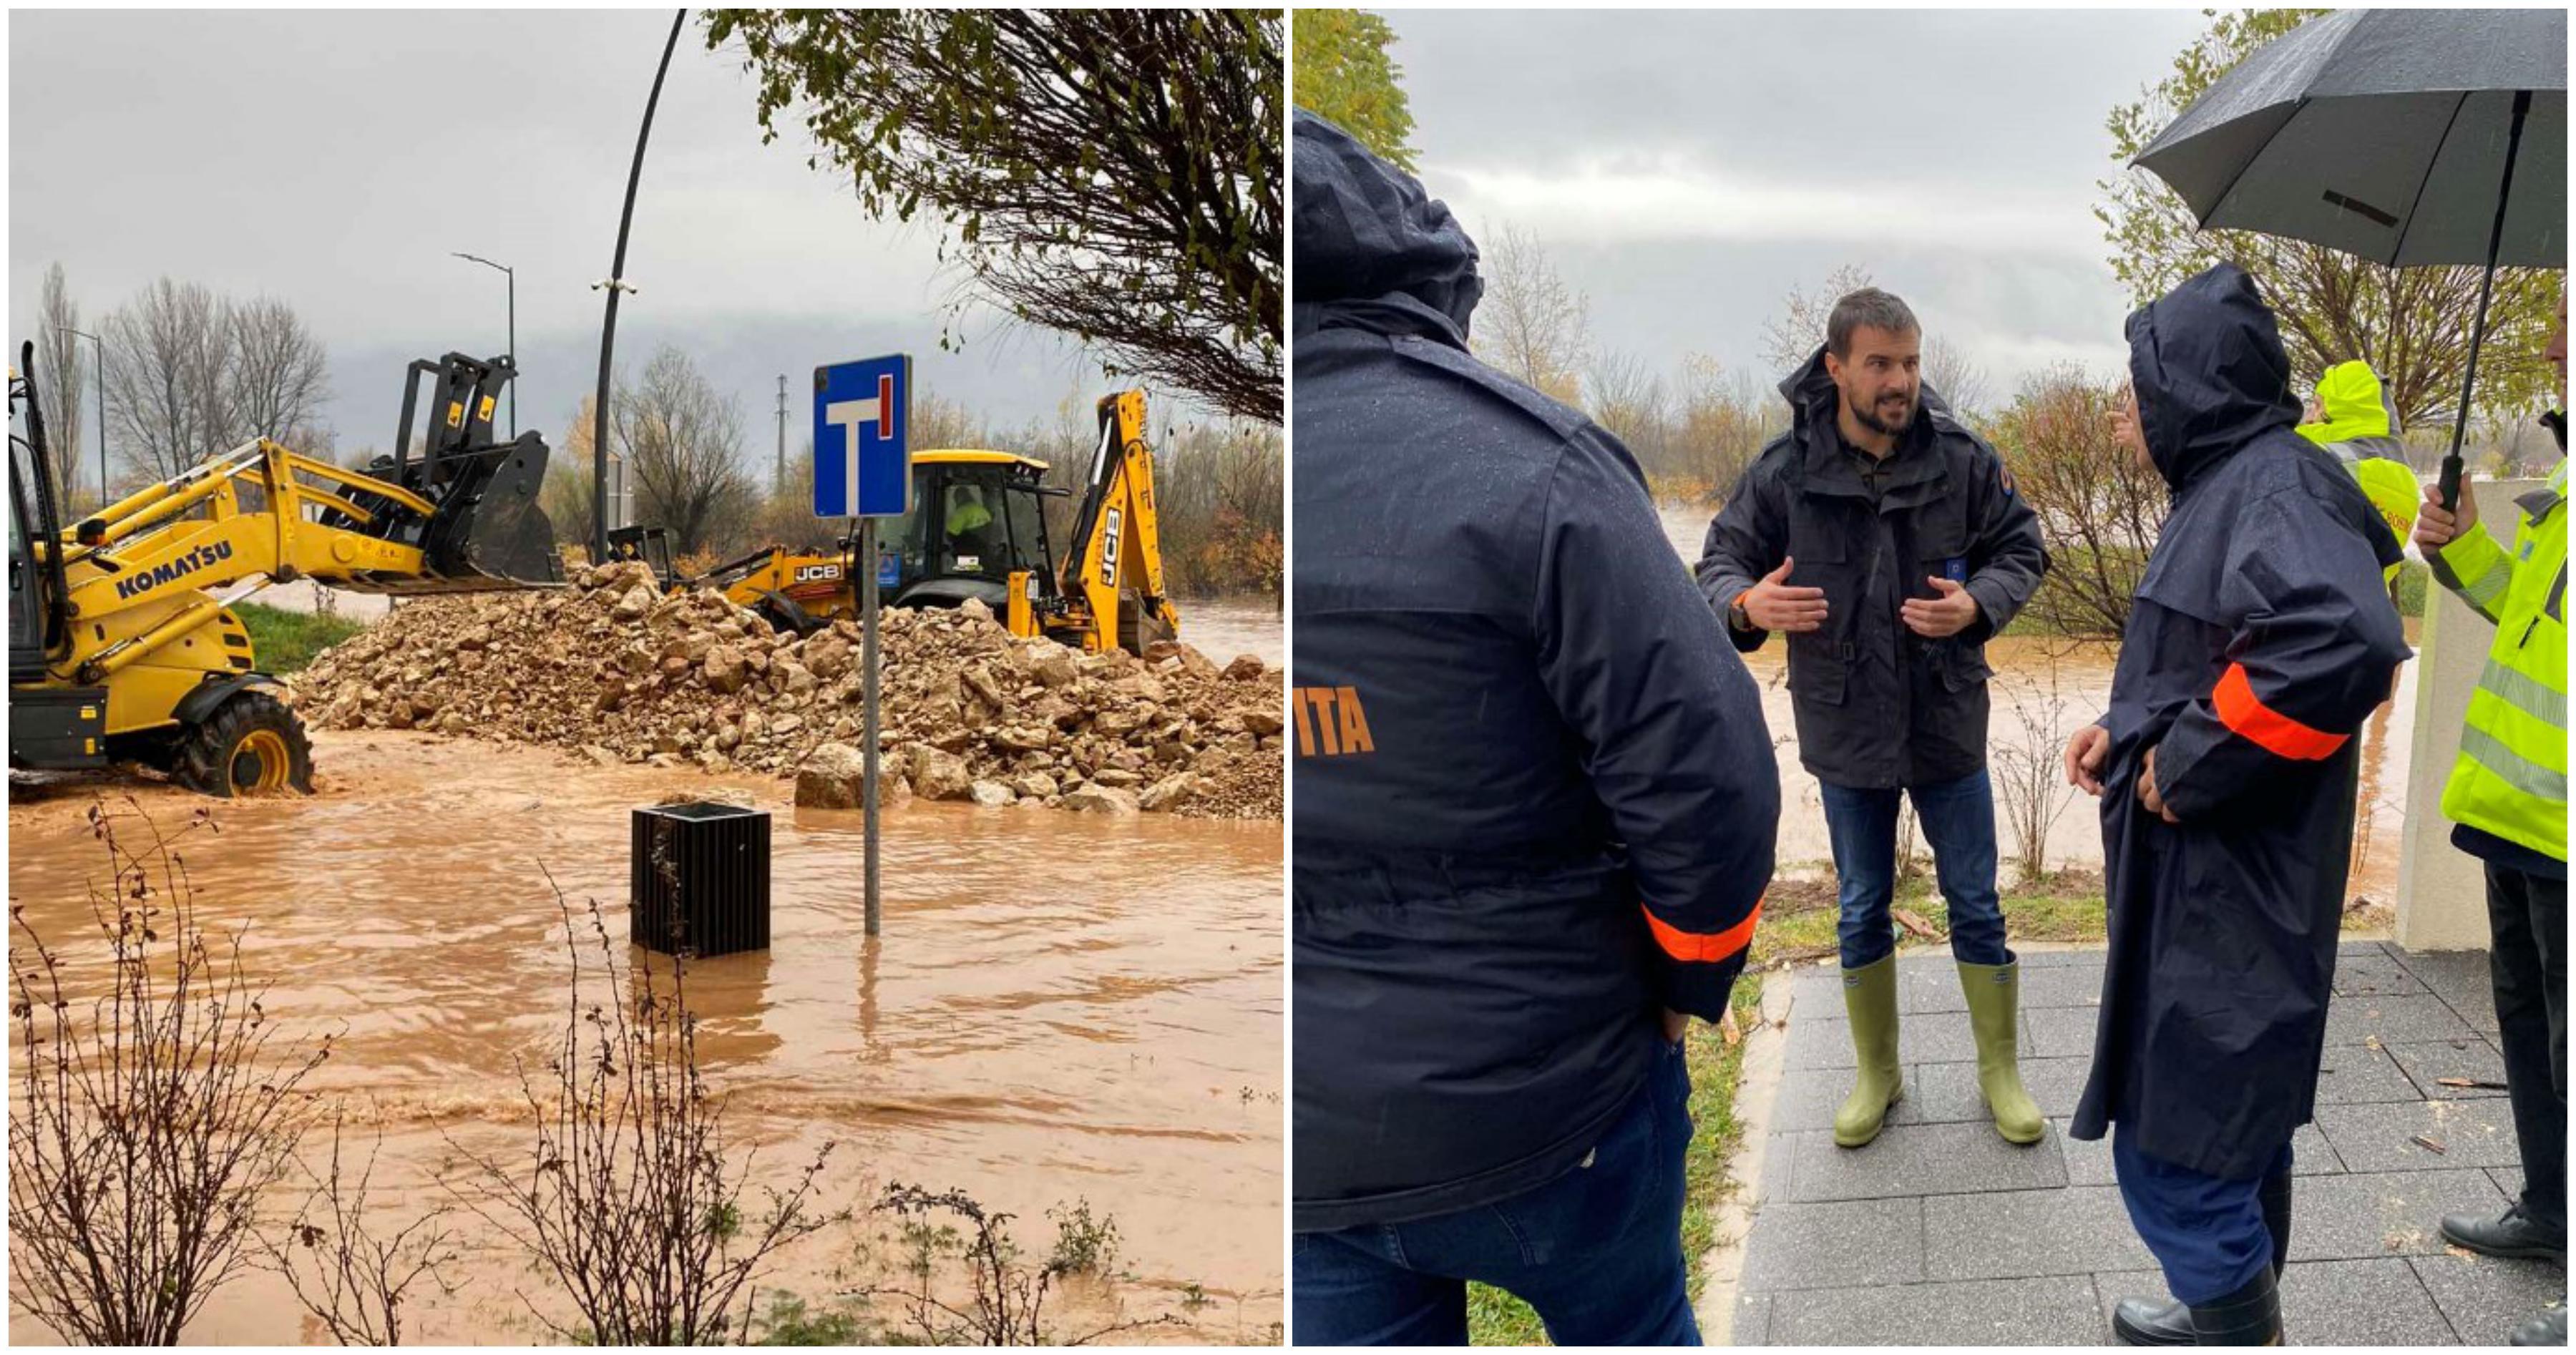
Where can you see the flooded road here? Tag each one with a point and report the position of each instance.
(2043, 689)
(1061, 1006)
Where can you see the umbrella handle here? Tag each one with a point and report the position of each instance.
(2451, 465)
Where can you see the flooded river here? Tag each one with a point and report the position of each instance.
(1061, 1006)
(2043, 690)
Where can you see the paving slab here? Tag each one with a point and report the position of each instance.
(2426, 1064)
(2051, 959)
(2483, 1298)
(1837, 1245)
(1937, 989)
(2015, 1234)
(2508, 1180)
(1922, 1159)
(2394, 1137)
(1825, 1041)
(2052, 1311)
(2393, 1020)
(1939, 1233)
(2370, 971)
(2059, 1032)
(2354, 1073)
(2359, 1216)
(1752, 1320)
(2460, 978)
(2326, 1303)
(2089, 1163)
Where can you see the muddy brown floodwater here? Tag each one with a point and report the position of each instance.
(1061, 1007)
(2044, 689)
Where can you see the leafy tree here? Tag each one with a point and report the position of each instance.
(1344, 74)
(2412, 325)
(1113, 174)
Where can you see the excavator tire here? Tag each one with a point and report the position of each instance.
(252, 745)
(1138, 628)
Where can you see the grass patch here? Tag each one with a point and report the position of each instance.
(283, 642)
(1495, 1318)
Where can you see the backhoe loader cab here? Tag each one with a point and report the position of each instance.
(977, 519)
(977, 529)
(122, 639)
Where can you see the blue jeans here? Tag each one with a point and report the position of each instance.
(1958, 819)
(1597, 1251)
(2206, 1231)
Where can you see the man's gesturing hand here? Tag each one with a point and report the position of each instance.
(1942, 617)
(1773, 605)
(2084, 754)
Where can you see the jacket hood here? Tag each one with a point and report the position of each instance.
(1811, 392)
(1372, 246)
(2356, 406)
(2211, 376)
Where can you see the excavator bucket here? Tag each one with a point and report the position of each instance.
(498, 536)
(489, 532)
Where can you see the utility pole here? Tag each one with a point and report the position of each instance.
(778, 482)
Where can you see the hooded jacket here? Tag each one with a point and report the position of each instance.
(2360, 430)
(1535, 798)
(1878, 705)
(2260, 642)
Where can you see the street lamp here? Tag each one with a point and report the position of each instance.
(101, 375)
(615, 284)
(513, 279)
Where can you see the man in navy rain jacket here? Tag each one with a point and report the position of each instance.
(2261, 640)
(1535, 806)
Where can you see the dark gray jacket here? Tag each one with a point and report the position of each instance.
(1535, 794)
(1877, 705)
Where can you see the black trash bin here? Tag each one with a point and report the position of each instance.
(698, 879)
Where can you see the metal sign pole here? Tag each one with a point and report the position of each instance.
(867, 563)
(863, 469)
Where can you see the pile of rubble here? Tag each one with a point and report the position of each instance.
(620, 672)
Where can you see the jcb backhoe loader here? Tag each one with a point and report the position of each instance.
(122, 643)
(977, 530)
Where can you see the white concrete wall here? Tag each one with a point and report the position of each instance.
(2442, 891)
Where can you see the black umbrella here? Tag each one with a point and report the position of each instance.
(2408, 137)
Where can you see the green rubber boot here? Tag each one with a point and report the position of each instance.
(1869, 996)
(1994, 1007)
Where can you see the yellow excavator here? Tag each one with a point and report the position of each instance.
(977, 529)
(122, 641)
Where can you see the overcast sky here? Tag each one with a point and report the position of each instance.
(334, 159)
(1686, 169)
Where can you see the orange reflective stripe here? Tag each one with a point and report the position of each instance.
(2240, 710)
(1692, 946)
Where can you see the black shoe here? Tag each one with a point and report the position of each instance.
(2148, 1322)
(2548, 1329)
(2249, 1317)
(2514, 1236)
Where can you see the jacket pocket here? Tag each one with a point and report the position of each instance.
(1965, 668)
(1817, 671)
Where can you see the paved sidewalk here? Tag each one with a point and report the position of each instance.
(1940, 1233)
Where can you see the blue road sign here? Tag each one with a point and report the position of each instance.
(862, 431)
